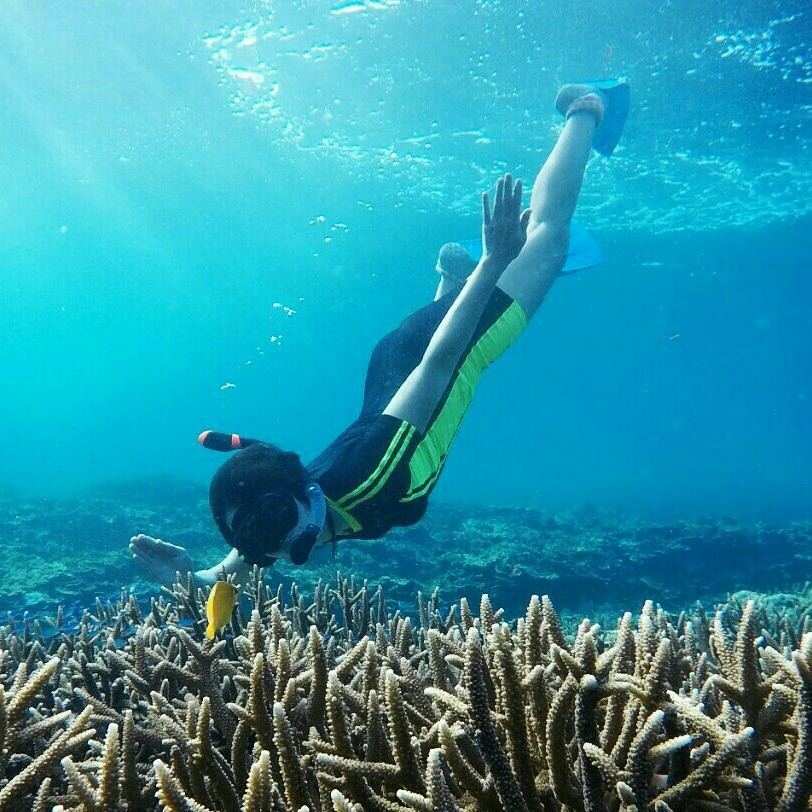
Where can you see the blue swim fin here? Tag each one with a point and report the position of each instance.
(617, 99)
(584, 252)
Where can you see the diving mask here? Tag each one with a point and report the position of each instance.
(253, 527)
(298, 543)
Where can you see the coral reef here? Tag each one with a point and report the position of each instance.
(332, 703)
(592, 562)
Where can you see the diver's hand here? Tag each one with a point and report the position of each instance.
(159, 560)
(504, 231)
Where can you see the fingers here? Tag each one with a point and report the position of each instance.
(142, 559)
(145, 563)
(524, 220)
(507, 203)
(148, 563)
(152, 546)
(143, 542)
(498, 206)
(151, 568)
(517, 198)
(137, 546)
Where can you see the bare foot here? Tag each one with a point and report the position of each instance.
(586, 95)
(159, 560)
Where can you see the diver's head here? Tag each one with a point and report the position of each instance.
(455, 262)
(266, 505)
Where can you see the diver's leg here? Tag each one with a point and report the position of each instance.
(555, 193)
(559, 180)
(447, 285)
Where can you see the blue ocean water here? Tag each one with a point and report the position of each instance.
(210, 213)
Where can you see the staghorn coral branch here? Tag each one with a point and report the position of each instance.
(467, 775)
(586, 732)
(475, 673)
(638, 764)
(401, 735)
(170, 794)
(342, 804)
(128, 773)
(351, 766)
(66, 743)
(601, 760)
(36, 730)
(558, 737)
(798, 785)
(240, 749)
(296, 791)
(41, 800)
(108, 793)
(709, 770)
(439, 796)
(80, 785)
(377, 746)
(622, 662)
(3, 719)
(257, 797)
(211, 763)
(450, 700)
(516, 722)
(316, 702)
(23, 695)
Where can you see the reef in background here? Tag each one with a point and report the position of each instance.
(70, 552)
(332, 703)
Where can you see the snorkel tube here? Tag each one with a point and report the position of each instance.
(298, 543)
(219, 441)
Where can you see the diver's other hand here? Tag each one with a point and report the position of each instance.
(504, 231)
(159, 560)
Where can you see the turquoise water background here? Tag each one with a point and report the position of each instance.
(210, 213)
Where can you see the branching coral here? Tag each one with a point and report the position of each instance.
(332, 704)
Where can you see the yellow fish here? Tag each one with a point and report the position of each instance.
(219, 607)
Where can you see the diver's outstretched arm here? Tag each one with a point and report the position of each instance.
(552, 203)
(232, 564)
(160, 561)
(503, 237)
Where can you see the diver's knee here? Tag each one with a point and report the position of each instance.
(550, 240)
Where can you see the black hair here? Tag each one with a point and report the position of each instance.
(238, 489)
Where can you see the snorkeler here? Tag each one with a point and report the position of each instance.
(380, 472)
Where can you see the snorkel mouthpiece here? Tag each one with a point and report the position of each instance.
(301, 548)
(299, 543)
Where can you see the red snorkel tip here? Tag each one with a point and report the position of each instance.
(220, 441)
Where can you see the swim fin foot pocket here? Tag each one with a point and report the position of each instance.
(616, 96)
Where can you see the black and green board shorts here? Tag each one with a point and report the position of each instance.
(380, 471)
